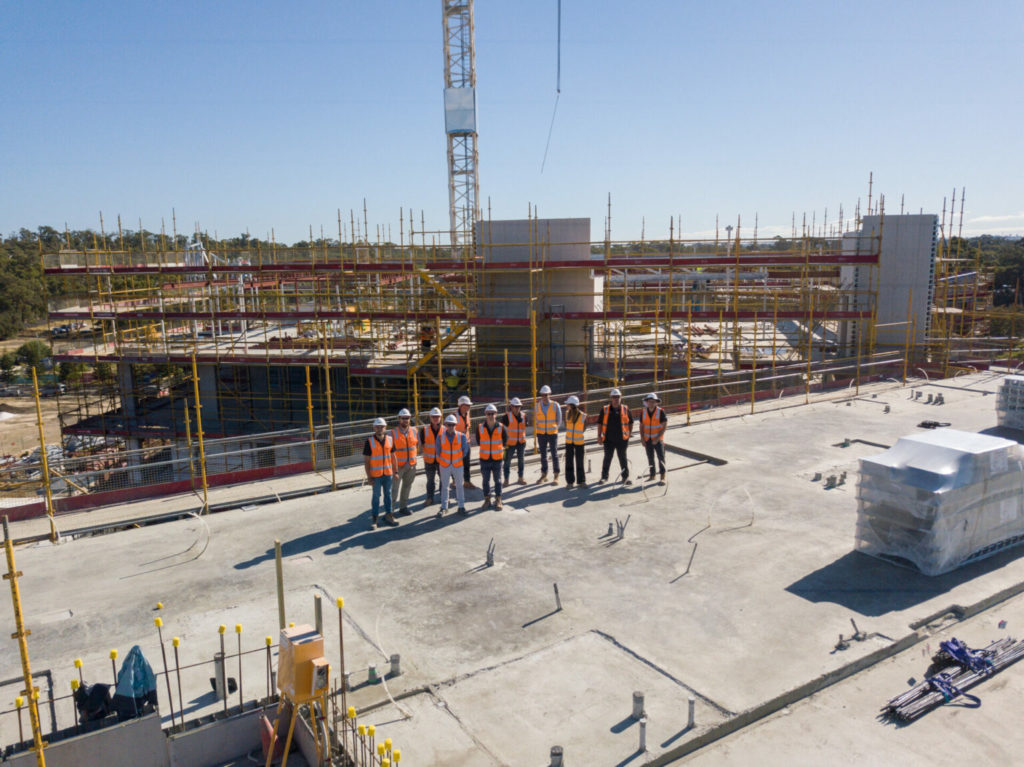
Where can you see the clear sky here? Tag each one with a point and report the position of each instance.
(251, 115)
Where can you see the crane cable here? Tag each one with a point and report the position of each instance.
(558, 87)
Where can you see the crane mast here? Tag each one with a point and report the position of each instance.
(460, 124)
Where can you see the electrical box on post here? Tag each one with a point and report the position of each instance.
(302, 670)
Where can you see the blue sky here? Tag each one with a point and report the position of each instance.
(251, 115)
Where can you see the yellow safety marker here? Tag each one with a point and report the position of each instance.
(221, 628)
(74, 685)
(351, 712)
(175, 642)
(238, 628)
(341, 602)
(370, 730)
(158, 622)
(361, 729)
(19, 701)
(159, 605)
(269, 640)
(381, 750)
(396, 755)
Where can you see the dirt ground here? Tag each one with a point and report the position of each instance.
(18, 430)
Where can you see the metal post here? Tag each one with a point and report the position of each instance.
(318, 613)
(440, 366)
(692, 703)
(689, 350)
(506, 376)
(280, 584)
(177, 672)
(309, 410)
(220, 666)
(167, 677)
(906, 350)
(188, 444)
(21, 634)
(241, 698)
(43, 458)
(533, 367)
(638, 704)
(330, 414)
(199, 430)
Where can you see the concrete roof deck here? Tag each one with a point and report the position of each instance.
(492, 673)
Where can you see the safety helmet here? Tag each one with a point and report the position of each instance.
(380, 422)
(451, 419)
(573, 400)
(490, 409)
(516, 402)
(464, 400)
(615, 393)
(404, 413)
(545, 389)
(435, 411)
(652, 396)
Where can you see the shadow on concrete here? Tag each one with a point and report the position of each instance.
(635, 755)
(624, 725)
(676, 737)
(543, 617)
(311, 541)
(1005, 432)
(872, 587)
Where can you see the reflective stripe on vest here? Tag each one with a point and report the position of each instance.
(651, 426)
(574, 429)
(380, 456)
(546, 421)
(462, 423)
(491, 448)
(623, 414)
(428, 443)
(449, 451)
(405, 446)
(516, 429)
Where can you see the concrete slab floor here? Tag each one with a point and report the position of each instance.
(733, 614)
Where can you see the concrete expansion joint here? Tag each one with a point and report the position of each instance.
(433, 692)
(651, 664)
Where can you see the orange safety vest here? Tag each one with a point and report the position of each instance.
(405, 446)
(449, 451)
(516, 428)
(574, 428)
(380, 457)
(651, 427)
(546, 421)
(623, 414)
(462, 422)
(492, 448)
(429, 435)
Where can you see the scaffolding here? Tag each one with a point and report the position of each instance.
(385, 325)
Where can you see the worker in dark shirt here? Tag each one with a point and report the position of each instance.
(653, 423)
(614, 428)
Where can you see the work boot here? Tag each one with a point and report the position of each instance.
(404, 512)
(487, 502)
(373, 523)
(390, 521)
(440, 512)
(543, 479)
(429, 501)
(521, 480)
(662, 480)
(463, 512)
(602, 480)
(627, 481)
(581, 484)
(469, 485)
(555, 480)
(497, 505)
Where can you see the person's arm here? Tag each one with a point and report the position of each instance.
(366, 459)
(558, 416)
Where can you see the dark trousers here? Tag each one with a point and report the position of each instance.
(615, 447)
(431, 479)
(465, 463)
(491, 470)
(574, 464)
(548, 442)
(518, 450)
(655, 449)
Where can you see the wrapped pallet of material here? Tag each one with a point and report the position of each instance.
(1010, 403)
(940, 499)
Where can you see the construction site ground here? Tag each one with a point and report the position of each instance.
(731, 586)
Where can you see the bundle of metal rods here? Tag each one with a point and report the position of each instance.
(952, 679)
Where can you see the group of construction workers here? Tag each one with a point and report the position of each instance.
(390, 456)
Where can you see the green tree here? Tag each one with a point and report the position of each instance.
(7, 364)
(32, 353)
(70, 372)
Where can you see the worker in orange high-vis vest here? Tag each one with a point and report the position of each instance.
(462, 425)
(406, 442)
(428, 444)
(514, 422)
(653, 423)
(613, 431)
(379, 463)
(451, 449)
(547, 417)
(575, 424)
(491, 438)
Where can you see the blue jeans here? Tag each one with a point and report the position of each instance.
(548, 442)
(381, 484)
(489, 469)
(519, 450)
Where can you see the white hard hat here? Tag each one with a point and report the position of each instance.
(573, 400)
(652, 396)
(451, 419)
(545, 389)
(490, 409)
(435, 411)
(615, 393)
(404, 413)
(516, 402)
(464, 400)
(380, 422)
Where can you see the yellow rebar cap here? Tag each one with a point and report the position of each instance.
(341, 602)
(397, 755)
(221, 628)
(238, 628)
(269, 640)
(158, 621)
(370, 730)
(19, 701)
(361, 729)
(175, 641)
(387, 743)
(380, 749)
(78, 662)
(113, 655)
(351, 712)
(74, 684)
(159, 605)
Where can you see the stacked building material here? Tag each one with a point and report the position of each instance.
(961, 668)
(1010, 403)
(939, 499)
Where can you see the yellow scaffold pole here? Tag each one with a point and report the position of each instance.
(199, 434)
(43, 458)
